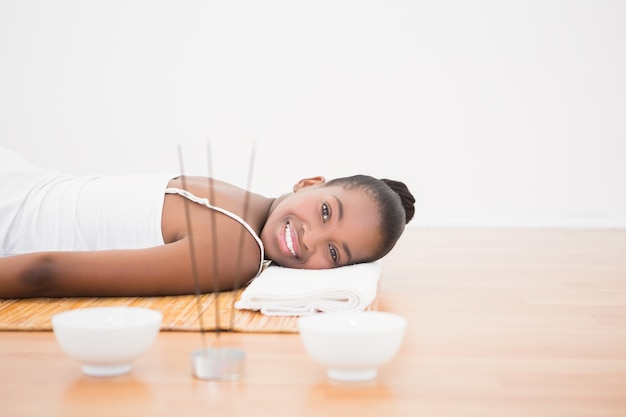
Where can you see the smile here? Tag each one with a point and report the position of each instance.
(289, 240)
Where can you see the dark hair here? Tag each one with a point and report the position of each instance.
(395, 203)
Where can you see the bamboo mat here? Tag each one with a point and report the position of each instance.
(180, 313)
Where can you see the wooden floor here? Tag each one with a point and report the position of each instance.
(502, 323)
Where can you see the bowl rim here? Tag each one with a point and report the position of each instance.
(311, 322)
(66, 318)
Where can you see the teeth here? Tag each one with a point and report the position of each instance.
(288, 239)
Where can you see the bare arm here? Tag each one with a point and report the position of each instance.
(163, 270)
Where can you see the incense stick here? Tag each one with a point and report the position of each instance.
(246, 205)
(216, 286)
(214, 241)
(192, 252)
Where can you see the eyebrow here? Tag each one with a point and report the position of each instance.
(340, 216)
(340, 207)
(347, 251)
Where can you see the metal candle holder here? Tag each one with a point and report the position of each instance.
(218, 363)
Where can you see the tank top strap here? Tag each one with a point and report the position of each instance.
(205, 202)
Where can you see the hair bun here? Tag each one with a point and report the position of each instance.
(408, 201)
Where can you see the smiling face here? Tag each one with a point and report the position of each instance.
(321, 227)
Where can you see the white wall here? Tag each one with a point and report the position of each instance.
(496, 113)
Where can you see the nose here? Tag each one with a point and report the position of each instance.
(311, 238)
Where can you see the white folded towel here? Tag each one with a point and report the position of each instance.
(279, 291)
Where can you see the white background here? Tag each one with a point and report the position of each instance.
(495, 113)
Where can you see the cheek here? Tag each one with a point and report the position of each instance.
(368, 244)
(319, 261)
(292, 205)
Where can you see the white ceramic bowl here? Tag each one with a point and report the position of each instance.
(106, 340)
(352, 346)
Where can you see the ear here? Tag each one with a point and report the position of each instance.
(307, 182)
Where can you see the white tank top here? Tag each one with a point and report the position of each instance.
(43, 210)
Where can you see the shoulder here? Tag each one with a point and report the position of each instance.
(253, 208)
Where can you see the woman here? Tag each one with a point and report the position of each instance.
(63, 235)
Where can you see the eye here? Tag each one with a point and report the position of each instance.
(333, 253)
(325, 212)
